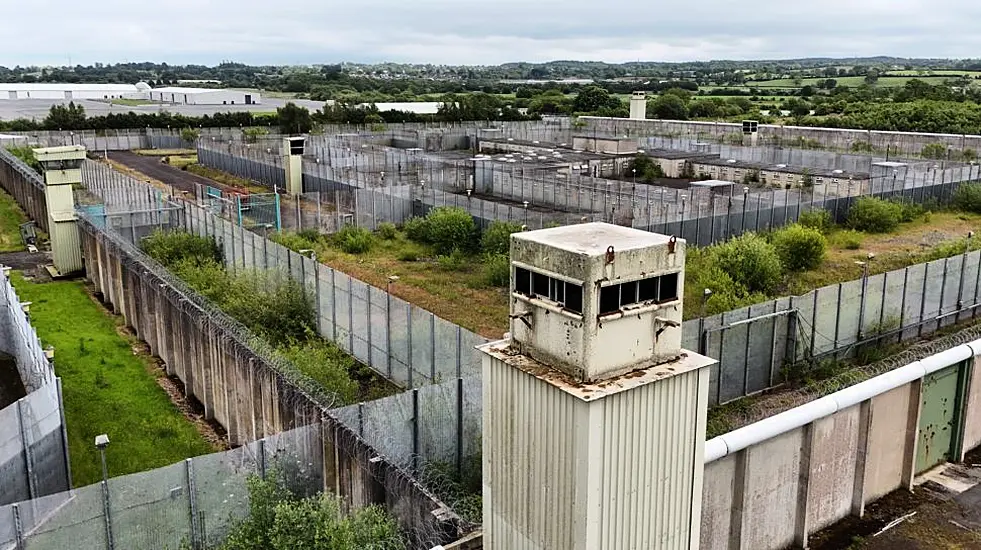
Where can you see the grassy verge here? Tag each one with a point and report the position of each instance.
(164, 152)
(223, 178)
(108, 386)
(133, 102)
(11, 216)
(453, 290)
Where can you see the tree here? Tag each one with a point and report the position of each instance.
(65, 117)
(294, 119)
(594, 98)
(872, 77)
(667, 107)
(798, 109)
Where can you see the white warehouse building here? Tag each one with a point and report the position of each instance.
(203, 96)
(66, 91)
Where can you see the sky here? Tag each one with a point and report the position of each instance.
(486, 32)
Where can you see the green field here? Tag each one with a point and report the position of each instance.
(851, 81)
(108, 387)
(11, 216)
(132, 102)
(939, 72)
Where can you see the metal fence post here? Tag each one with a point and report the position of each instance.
(18, 527)
(350, 315)
(107, 515)
(28, 455)
(415, 431)
(262, 458)
(408, 343)
(193, 505)
(459, 427)
(64, 433)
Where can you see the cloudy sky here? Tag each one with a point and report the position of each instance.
(480, 32)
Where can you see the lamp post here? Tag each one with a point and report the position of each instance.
(865, 286)
(702, 337)
(101, 442)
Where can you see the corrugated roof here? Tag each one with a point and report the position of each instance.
(48, 87)
(180, 90)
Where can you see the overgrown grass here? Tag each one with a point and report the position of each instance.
(11, 216)
(225, 178)
(108, 387)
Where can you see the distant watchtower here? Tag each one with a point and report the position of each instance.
(62, 168)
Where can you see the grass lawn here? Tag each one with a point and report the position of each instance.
(11, 216)
(456, 293)
(133, 102)
(108, 387)
(851, 81)
(217, 175)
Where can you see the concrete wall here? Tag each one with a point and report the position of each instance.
(775, 490)
(245, 390)
(909, 143)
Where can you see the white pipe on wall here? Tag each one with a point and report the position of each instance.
(784, 422)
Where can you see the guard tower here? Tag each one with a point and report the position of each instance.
(751, 128)
(293, 164)
(62, 168)
(594, 415)
(638, 106)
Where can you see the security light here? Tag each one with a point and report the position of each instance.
(102, 441)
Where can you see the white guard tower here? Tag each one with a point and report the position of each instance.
(62, 168)
(638, 106)
(594, 416)
(293, 164)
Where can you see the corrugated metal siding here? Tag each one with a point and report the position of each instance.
(66, 245)
(541, 445)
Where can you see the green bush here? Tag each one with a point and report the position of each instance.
(934, 151)
(354, 240)
(497, 238)
(282, 518)
(874, 215)
(272, 305)
(817, 219)
(417, 229)
(173, 247)
(450, 228)
(967, 197)
(751, 261)
(409, 253)
(800, 248)
(497, 270)
(727, 294)
(326, 364)
(909, 210)
(454, 261)
(387, 231)
(294, 241)
(849, 239)
(312, 235)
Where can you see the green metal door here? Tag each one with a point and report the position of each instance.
(940, 414)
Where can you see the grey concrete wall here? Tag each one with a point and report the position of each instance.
(244, 390)
(781, 490)
(33, 446)
(909, 143)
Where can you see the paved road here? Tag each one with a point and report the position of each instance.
(151, 166)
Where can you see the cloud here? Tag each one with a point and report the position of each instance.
(471, 32)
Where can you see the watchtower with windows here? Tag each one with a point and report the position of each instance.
(596, 300)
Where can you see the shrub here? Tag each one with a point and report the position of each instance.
(849, 239)
(934, 151)
(727, 294)
(497, 270)
(294, 241)
(751, 261)
(417, 229)
(967, 197)
(909, 210)
(354, 240)
(454, 261)
(497, 238)
(173, 247)
(450, 228)
(410, 253)
(874, 215)
(284, 518)
(817, 219)
(326, 364)
(800, 248)
(387, 231)
(312, 235)
(271, 304)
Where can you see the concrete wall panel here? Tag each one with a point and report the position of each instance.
(770, 500)
(887, 442)
(972, 414)
(832, 476)
(717, 492)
